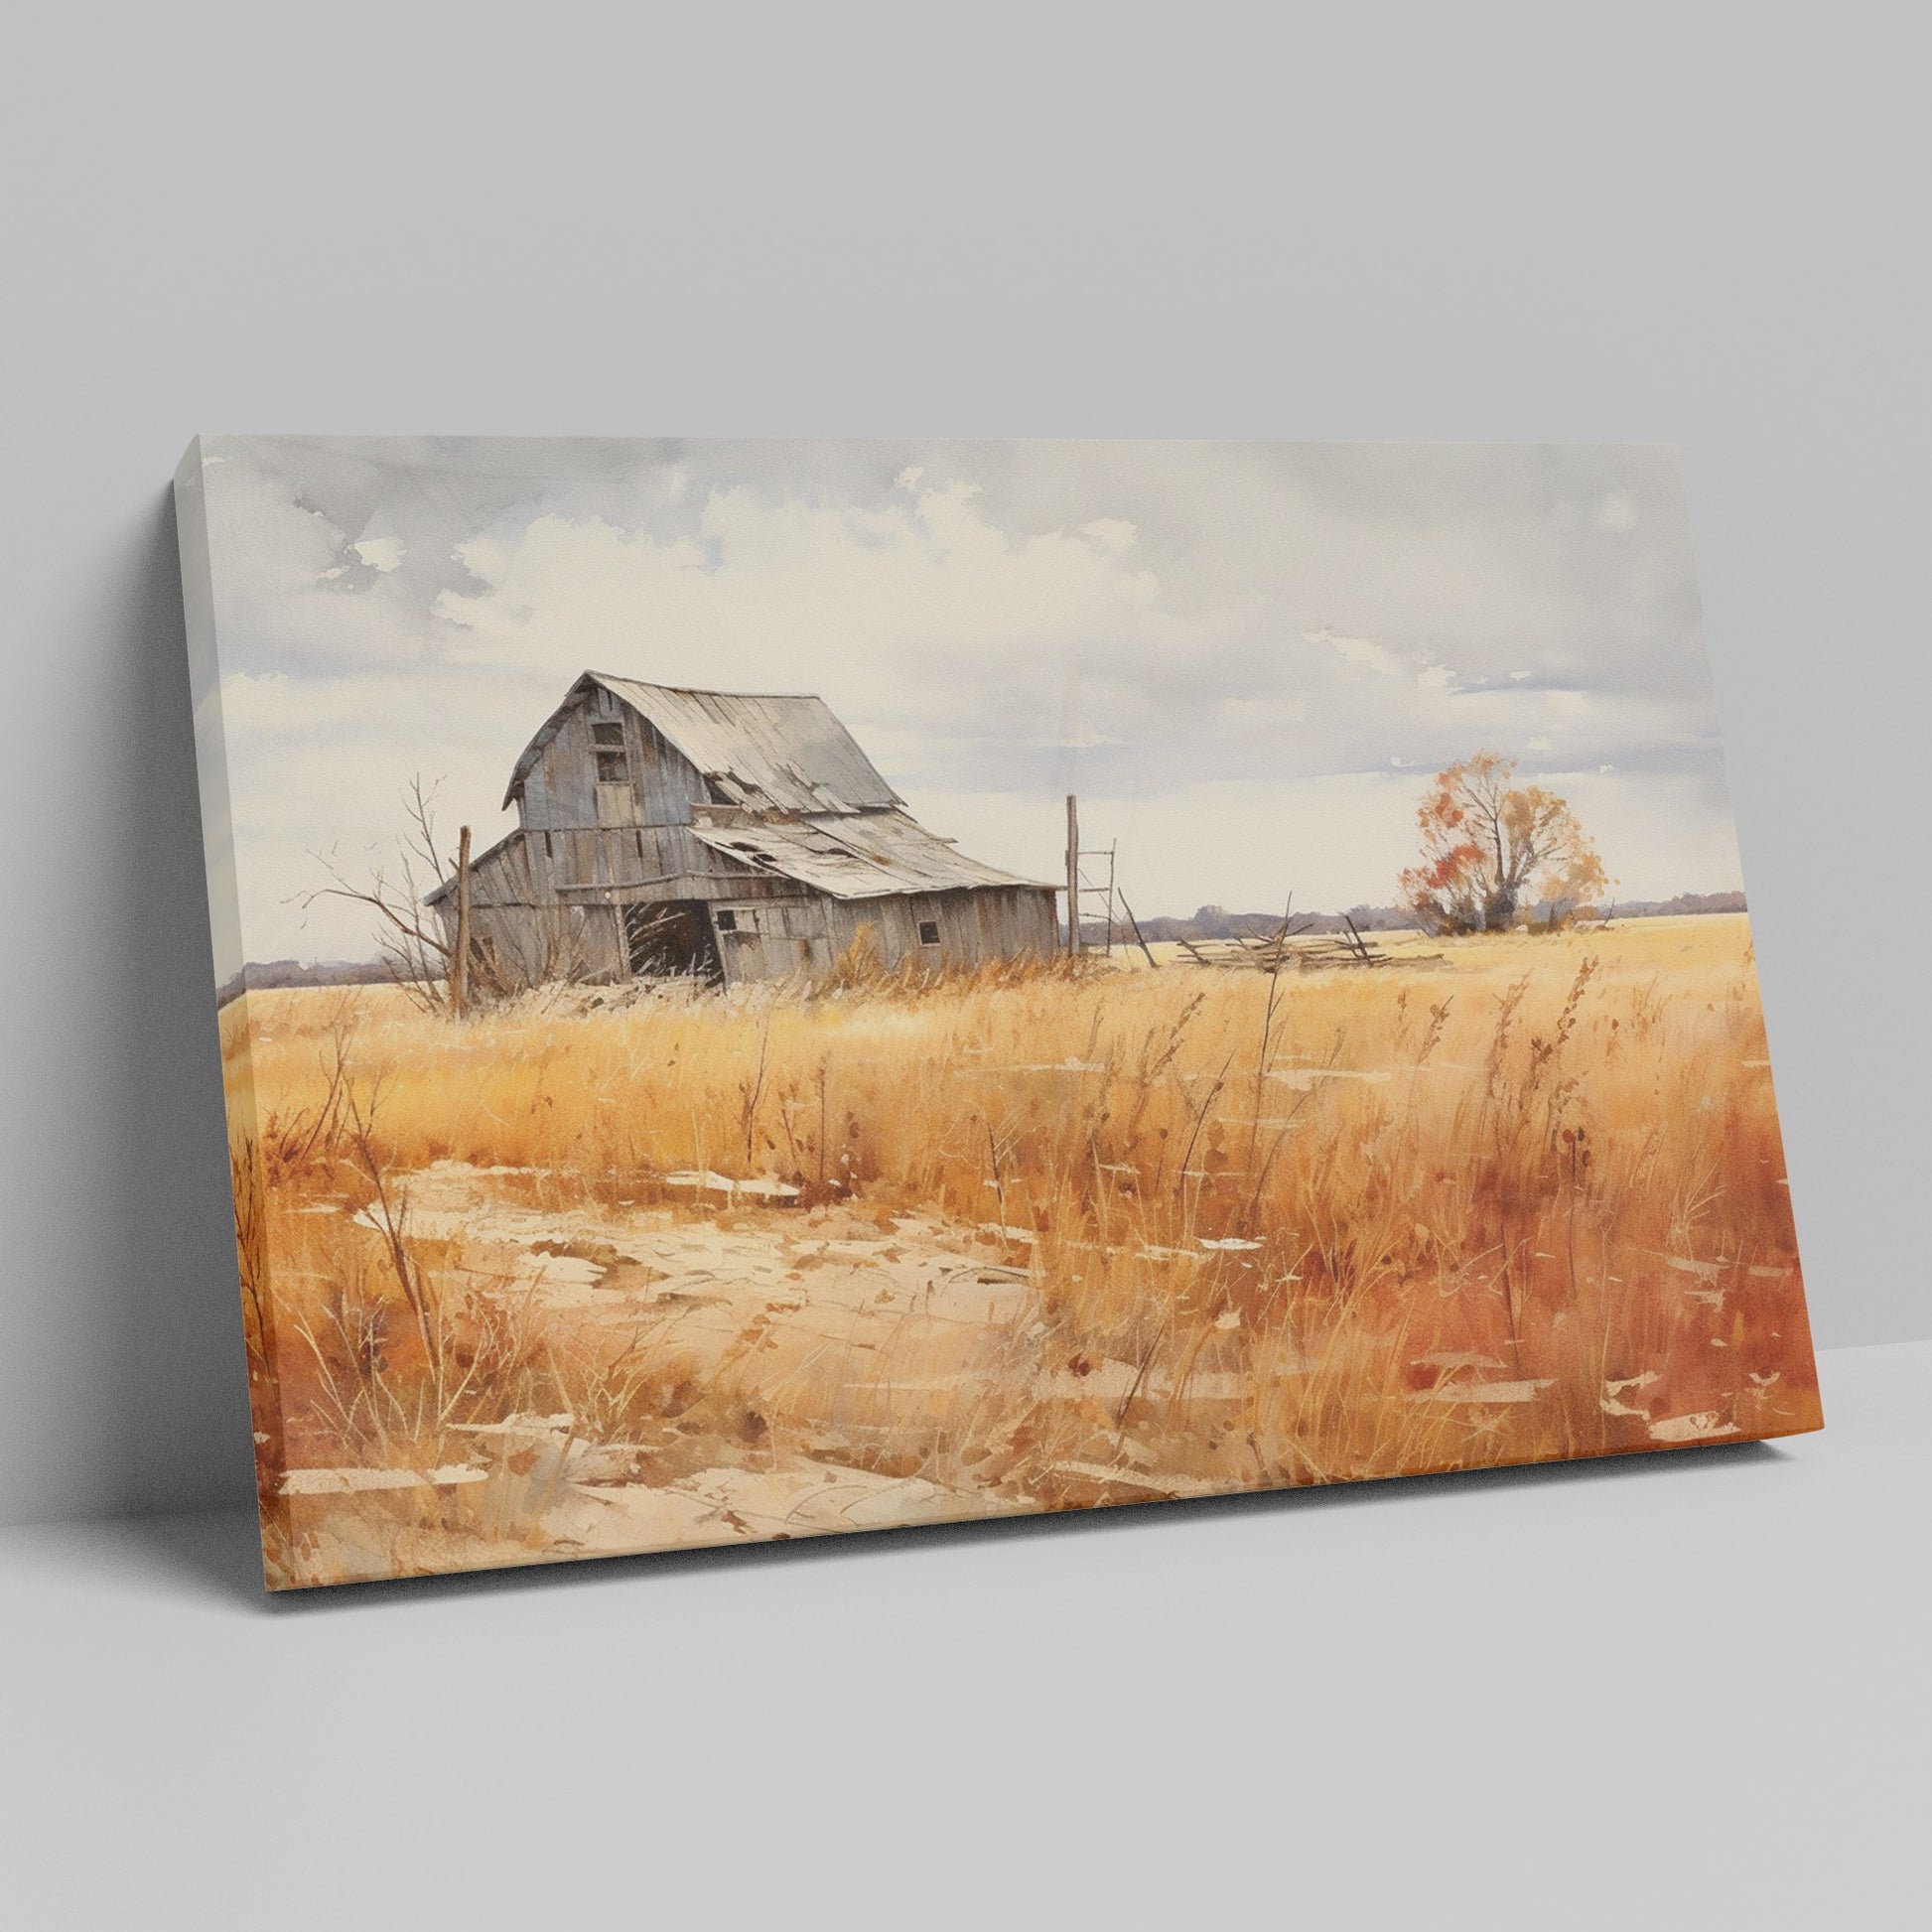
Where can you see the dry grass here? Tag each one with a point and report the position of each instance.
(1346, 1224)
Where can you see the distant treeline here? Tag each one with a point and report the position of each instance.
(1670, 909)
(1215, 923)
(257, 978)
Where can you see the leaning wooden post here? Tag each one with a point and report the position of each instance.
(1139, 938)
(1072, 873)
(459, 960)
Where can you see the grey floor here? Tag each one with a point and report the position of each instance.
(1688, 1689)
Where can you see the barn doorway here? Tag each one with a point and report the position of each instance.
(670, 938)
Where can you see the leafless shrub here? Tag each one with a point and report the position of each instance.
(410, 934)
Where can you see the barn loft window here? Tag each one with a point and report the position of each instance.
(727, 921)
(928, 932)
(612, 766)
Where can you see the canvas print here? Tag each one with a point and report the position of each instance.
(776, 987)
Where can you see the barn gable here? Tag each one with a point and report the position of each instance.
(764, 753)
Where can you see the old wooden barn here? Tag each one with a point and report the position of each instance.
(726, 835)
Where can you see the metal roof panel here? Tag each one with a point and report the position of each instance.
(861, 855)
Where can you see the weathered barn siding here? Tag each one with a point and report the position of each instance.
(773, 938)
(808, 935)
(528, 931)
(974, 927)
(561, 792)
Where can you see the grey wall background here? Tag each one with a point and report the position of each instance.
(845, 220)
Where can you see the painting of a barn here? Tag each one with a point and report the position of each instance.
(725, 836)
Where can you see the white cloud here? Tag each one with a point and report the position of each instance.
(1359, 651)
(380, 553)
(1379, 658)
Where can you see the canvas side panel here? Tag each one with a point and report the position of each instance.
(233, 1024)
(1800, 1315)
(211, 746)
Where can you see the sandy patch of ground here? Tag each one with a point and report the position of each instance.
(858, 1352)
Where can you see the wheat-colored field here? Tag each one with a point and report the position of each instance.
(594, 1273)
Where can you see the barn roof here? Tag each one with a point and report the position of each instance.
(863, 855)
(769, 753)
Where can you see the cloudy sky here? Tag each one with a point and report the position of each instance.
(1245, 658)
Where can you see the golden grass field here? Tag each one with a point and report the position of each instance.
(594, 1273)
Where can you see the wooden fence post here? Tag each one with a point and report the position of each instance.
(1072, 873)
(460, 962)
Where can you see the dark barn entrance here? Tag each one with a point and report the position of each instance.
(672, 937)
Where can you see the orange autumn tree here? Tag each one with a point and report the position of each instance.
(1486, 842)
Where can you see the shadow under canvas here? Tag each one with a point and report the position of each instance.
(217, 1555)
